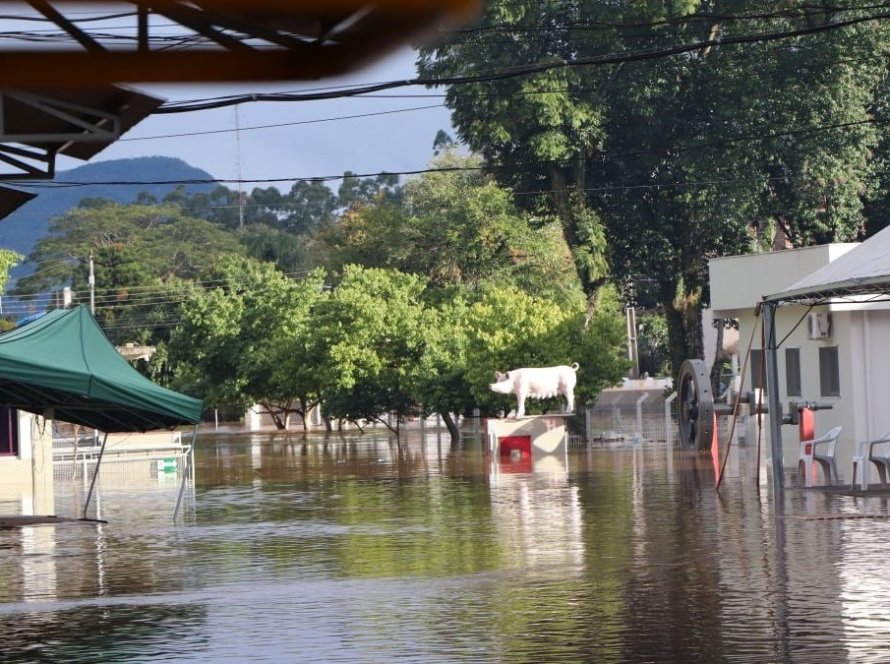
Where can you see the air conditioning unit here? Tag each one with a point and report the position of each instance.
(819, 325)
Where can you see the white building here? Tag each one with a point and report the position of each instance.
(832, 327)
(26, 463)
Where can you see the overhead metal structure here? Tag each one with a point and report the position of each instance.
(35, 127)
(38, 126)
(62, 61)
(12, 199)
(94, 43)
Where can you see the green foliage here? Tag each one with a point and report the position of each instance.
(508, 329)
(375, 343)
(355, 191)
(8, 260)
(444, 387)
(370, 341)
(367, 235)
(653, 344)
(128, 242)
(271, 245)
(140, 254)
(458, 228)
(238, 339)
(653, 167)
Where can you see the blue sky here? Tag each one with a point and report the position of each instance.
(393, 142)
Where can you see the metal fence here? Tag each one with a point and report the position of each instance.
(126, 459)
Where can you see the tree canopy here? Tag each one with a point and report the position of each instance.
(662, 133)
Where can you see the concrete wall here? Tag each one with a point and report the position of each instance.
(547, 433)
(27, 478)
(740, 282)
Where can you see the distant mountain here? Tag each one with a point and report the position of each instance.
(21, 230)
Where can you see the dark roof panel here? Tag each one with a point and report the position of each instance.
(12, 199)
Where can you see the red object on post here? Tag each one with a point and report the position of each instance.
(807, 426)
(715, 449)
(807, 431)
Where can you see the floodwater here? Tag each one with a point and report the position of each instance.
(293, 549)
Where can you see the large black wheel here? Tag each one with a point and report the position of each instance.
(696, 404)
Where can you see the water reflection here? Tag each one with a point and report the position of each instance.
(358, 548)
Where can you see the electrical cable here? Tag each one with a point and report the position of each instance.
(521, 70)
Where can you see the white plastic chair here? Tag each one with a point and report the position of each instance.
(875, 451)
(819, 451)
(879, 455)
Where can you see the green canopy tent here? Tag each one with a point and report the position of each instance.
(64, 362)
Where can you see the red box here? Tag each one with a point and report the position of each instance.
(515, 454)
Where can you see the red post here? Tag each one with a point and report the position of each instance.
(807, 431)
(715, 450)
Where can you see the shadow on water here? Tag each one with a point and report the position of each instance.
(355, 548)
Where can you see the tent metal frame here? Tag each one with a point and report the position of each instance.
(854, 291)
(187, 475)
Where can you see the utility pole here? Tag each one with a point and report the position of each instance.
(92, 287)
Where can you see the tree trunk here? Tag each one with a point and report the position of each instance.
(583, 234)
(684, 328)
(451, 425)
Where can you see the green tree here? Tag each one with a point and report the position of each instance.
(136, 251)
(508, 329)
(124, 240)
(356, 191)
(8, 260)
(309, 205)
(654, 166)
(458, 228)
(541, 130)
(239, 340)
(289, 252)
(443, 388)
(370, 344)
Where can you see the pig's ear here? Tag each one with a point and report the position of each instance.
(498, 376)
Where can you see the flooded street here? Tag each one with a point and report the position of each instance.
(294, 549)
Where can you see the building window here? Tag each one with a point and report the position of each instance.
(792, 372)
(9, 431)
(758, 375)
(829, 371)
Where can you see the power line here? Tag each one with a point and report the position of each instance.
(519, 70)
(797, 131)
(286, 124)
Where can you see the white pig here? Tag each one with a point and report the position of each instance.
(537, 383)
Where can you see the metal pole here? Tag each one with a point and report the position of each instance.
(238, 166)
(775, 405)
(92, 287)
(189, 471)
(95, 475)
(640, 401)
(668, 420)
(632, 348)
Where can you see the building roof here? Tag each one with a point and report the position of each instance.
(37, 127)
(64, 361)
(864, 271)
(212, 40)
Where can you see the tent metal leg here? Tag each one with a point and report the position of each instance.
(86, 504)
(775, 405)
(188, 473)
